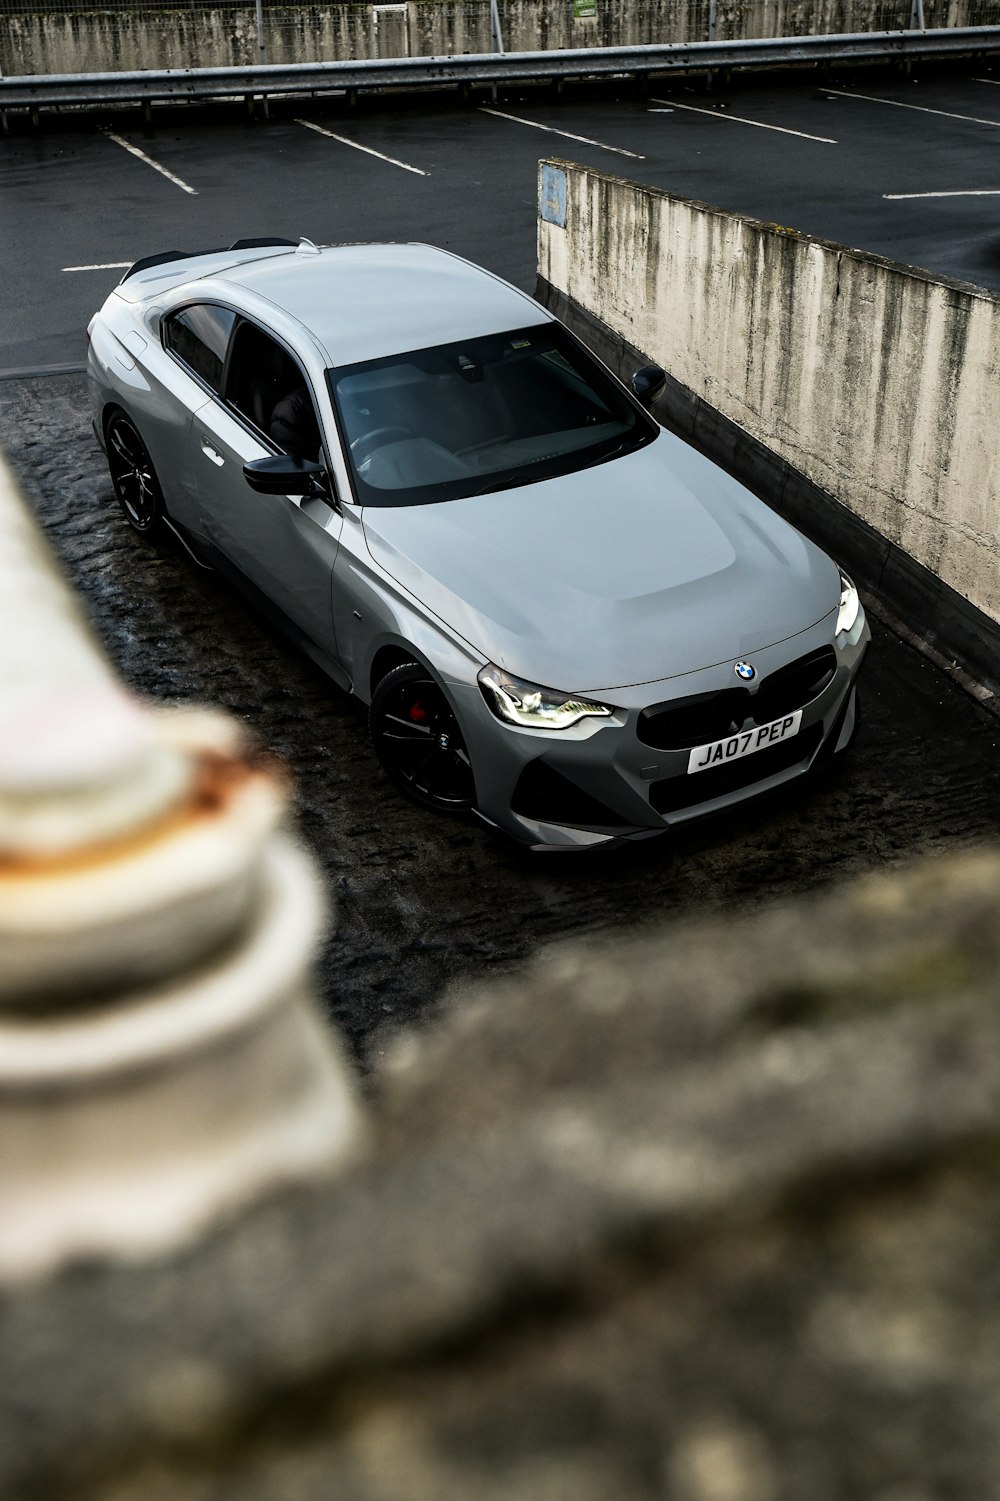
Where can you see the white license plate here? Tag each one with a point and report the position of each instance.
(720, 752)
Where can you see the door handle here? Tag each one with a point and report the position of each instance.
(211, 453)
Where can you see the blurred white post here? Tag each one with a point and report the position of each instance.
(162, 1060)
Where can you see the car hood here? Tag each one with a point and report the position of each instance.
(639, 569)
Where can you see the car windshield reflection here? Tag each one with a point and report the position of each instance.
(480, 415)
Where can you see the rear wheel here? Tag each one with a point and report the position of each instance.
(137, 489)
(418, 741)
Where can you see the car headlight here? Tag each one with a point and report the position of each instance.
(532, 707)
(850, 604)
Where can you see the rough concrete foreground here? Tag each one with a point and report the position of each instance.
(709, 1215)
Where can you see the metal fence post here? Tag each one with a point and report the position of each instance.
(261, 44)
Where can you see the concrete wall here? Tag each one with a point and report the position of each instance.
(81, 41)
(58, 37)
(874, 381)
(55, 41)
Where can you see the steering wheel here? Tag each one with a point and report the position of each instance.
(363, 447)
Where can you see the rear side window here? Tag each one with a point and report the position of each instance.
(199, 335)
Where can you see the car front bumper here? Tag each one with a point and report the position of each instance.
(603, 782)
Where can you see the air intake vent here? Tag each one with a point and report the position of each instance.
(548, 797)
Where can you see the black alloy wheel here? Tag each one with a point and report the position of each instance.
(137, 489)
(418, 741)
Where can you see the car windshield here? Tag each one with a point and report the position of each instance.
(481, 415)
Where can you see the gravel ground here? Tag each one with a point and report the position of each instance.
(426, 902)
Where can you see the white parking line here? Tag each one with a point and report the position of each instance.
(585, 140)
(955, 193)
(921, 108)
(739, 120)
(368, 150)
(103, 266)
(127, 146)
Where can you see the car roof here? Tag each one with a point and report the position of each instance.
(361, 302)
(364, 301)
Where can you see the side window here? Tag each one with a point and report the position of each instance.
(198, 336)
(266, 386)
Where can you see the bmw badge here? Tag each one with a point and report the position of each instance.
(745, 671)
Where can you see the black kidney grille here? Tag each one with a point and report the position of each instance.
(687, 790)
(794, 686)
(704, 717)
(693, 721)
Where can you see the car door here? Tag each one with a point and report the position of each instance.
(183, 372)
(284, 545)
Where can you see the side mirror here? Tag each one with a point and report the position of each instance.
(284, 474)
(647, 383)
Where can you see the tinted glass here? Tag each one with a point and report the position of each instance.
(481, 415)
(199, 336)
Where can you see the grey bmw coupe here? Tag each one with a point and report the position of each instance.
(563, 618)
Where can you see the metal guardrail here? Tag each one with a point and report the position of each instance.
(33, 92)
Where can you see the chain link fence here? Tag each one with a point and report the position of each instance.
(96, 36)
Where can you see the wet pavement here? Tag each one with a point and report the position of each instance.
(422, 901)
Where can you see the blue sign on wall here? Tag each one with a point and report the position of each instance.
(552, 196)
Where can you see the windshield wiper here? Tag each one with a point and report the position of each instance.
(510, 483)
(567, 463)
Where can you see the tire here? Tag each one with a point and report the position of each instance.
(418, 742)
(136, 486)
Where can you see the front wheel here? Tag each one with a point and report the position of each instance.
(137, 489)
(418, 741)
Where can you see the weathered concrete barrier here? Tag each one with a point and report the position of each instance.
(860, 396)
(82, 37)
(85, 40)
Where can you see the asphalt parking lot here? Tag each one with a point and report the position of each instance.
(905, 167)
(423, 901)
